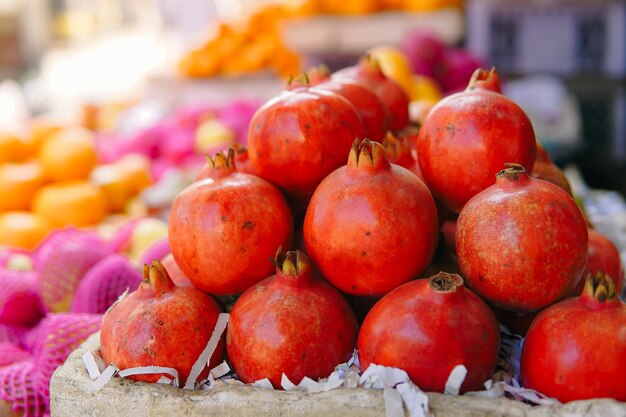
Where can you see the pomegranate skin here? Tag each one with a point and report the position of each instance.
(371, 110)
(292, 322)
(546, 170)
(429, 326)
(604, 257)
(521, 243)
(299, 137)
(371, 225)
(468, 136)
(160, 324)
(574, 350)
(223, 229)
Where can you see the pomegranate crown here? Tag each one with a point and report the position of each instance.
(294, 263)
(318, 74)
(485, 80)
(222, 161)
(156, 277)
(367, 153)
(396, 146)
(599, 287)
(511, 171)
(445, 282)
(300, 81)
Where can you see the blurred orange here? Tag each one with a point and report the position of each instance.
(22, 229)
(40, 131)
(18, 184)
(77, 203)
(12, 148)
(68, 154)
(122, 180)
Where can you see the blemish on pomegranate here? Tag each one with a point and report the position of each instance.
(248, 225)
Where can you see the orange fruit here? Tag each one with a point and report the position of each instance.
(122, 180)
(22, 229)
(77, 203)
(40, 131)
(18, 184)
(68, 154)
(12, 148)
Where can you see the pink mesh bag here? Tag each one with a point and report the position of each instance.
(57, 336)
(14, 334)
(104, 283)
(62, 260)
(17, 387)
(10, 354)
(20, 302)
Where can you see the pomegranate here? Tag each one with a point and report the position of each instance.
(242, 163)
(545, 169)
(371, 225)
(301, 136)
(429, 326)
(574, 350)
(291, 322)
(521, 243)
(160, 324)
(393, 96)
(468, 136)
(223, 229)
(604, 257)
(370, 108)
(399, 152)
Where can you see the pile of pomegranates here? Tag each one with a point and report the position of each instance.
(317, 221)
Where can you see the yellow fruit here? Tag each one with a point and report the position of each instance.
(78, 203)
(147, 232)
(212, 133)
(68, 154)
(22, 229)
(18, 185)
(425, 88)
(394, 65)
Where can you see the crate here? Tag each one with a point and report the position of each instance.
(565, 37)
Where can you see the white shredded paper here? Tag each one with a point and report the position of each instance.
(205, 356)
(220, 370)
(263, 383)
(455, 380)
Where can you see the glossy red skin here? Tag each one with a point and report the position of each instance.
(370, 108)
(299, 137)
(222, 231)
(521, 244)
(176, 274)
(467, 138)
(575, 350)
(427, 333)
(370, 229)
(603, 256)
(300, 325)
(169, 328)
(388, 91)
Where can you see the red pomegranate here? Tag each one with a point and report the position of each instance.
(177, 276)
(468, 136)
(370, 108)
(371, 225)
(298, 138)
(604, 257)
(223, 229)
(393, 96)
(399, 152)
(160, 324)
(546, 170)
(429, 326)
(292, 322)
(575, 350)
(521, 243)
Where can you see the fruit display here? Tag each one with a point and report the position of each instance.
(336, 256)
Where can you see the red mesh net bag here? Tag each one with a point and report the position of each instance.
(104, 283)
(20, 302)
(61, 262)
